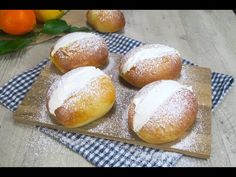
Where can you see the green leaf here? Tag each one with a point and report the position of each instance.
(75, 29)
(53, 27)
(7, 46)
(12, 43)
(9, 36)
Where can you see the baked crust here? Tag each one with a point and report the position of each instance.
(165, 68)
(87, 105)
(87, 52)
(106, 20)
(171, 119)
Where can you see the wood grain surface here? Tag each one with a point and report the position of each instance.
(204, 37)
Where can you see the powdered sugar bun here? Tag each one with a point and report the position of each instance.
(70, 39)
(162, 111)
(106, 20)
(79, 49)
(150, 62)
(80, 96)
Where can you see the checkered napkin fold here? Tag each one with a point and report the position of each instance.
(101, 152)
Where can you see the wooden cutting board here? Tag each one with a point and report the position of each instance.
(196, 142)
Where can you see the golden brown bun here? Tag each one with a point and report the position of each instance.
(170, 120)
(151, 69)
(106, 20)
(79, 49)
(85, 105)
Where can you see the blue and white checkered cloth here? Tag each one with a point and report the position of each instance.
(101, 152)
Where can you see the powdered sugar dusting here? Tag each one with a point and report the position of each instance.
(84, 49)
(69, 39)
(174, 108)
(114, 124)
(148, 52)
(116, 121)
(105, 15)
(70, 83)
(91, 89)
(193, 138)
(150, 98)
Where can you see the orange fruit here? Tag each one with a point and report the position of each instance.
(17, 22)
